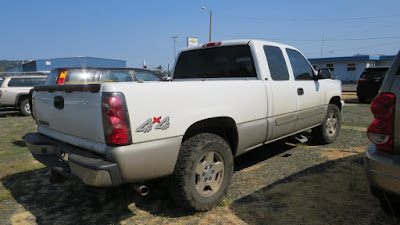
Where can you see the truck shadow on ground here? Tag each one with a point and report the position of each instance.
(334, 192)
(9, 112)
(73, 203)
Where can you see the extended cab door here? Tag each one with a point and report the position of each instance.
(311, 105)
(284, 95)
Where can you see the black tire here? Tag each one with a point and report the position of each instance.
(328, 131)
(361, 100)
(195, 153)
(24, 107)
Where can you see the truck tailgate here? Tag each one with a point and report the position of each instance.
(71, 111)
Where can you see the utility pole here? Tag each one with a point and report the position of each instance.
(322, 45)
(204, 8)
(174, 37)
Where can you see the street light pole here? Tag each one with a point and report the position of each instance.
(174, 37)
(204, 8)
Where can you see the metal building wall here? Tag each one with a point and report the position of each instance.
(49, 64)
(14, 70)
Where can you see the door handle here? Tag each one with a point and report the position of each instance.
(300, 91)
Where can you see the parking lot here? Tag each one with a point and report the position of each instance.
(282, 183)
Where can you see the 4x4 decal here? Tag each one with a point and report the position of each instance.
(148, 124)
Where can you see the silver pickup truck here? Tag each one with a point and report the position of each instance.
(225, 99)
(14, 91)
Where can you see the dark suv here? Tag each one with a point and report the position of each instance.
(382, 158)
(370, 81)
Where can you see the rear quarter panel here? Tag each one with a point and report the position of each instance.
(187, 102)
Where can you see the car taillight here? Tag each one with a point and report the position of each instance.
(116, 123)
(380, 132)
(61, 77)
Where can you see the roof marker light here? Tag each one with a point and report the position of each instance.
(212, 44)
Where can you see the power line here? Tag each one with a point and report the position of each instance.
(347, 39)
(313, 19)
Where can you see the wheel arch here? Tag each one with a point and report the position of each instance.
(20, 97)
(335, 100)
(224, 127)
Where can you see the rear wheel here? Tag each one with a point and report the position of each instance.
(202, 173)
(24, 107)
(361, 100)
(328, 131)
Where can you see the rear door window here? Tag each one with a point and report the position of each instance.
(276, 63)
(26, 82)
(216, 62)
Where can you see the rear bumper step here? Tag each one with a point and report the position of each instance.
(73, 162)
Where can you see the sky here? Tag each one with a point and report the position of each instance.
(138, 31)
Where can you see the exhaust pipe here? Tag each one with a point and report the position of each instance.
(143, 190)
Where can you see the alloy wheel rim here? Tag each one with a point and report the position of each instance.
(27, 108)
(209, 174)
(331, 124)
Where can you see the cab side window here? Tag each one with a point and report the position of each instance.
(301, 68)
(276, 63)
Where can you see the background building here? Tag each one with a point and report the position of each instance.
(349, 69)
(45, 65)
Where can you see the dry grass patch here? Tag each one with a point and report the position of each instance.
(336, 153)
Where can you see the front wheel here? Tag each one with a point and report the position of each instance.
(202, 173)
(24, 107)
(328, 131)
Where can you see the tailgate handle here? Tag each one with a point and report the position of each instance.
(59, 102)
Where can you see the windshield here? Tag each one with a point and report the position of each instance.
(216, 62)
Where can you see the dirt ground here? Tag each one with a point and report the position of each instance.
(281, 183)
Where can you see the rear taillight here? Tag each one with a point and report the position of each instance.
(61, 77)
(380, 132)
(116, 124)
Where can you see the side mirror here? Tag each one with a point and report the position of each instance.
(324, 73)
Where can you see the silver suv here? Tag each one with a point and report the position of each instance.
(382, 159)
(14, 91)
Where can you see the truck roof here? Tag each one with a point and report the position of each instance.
(237, 42)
